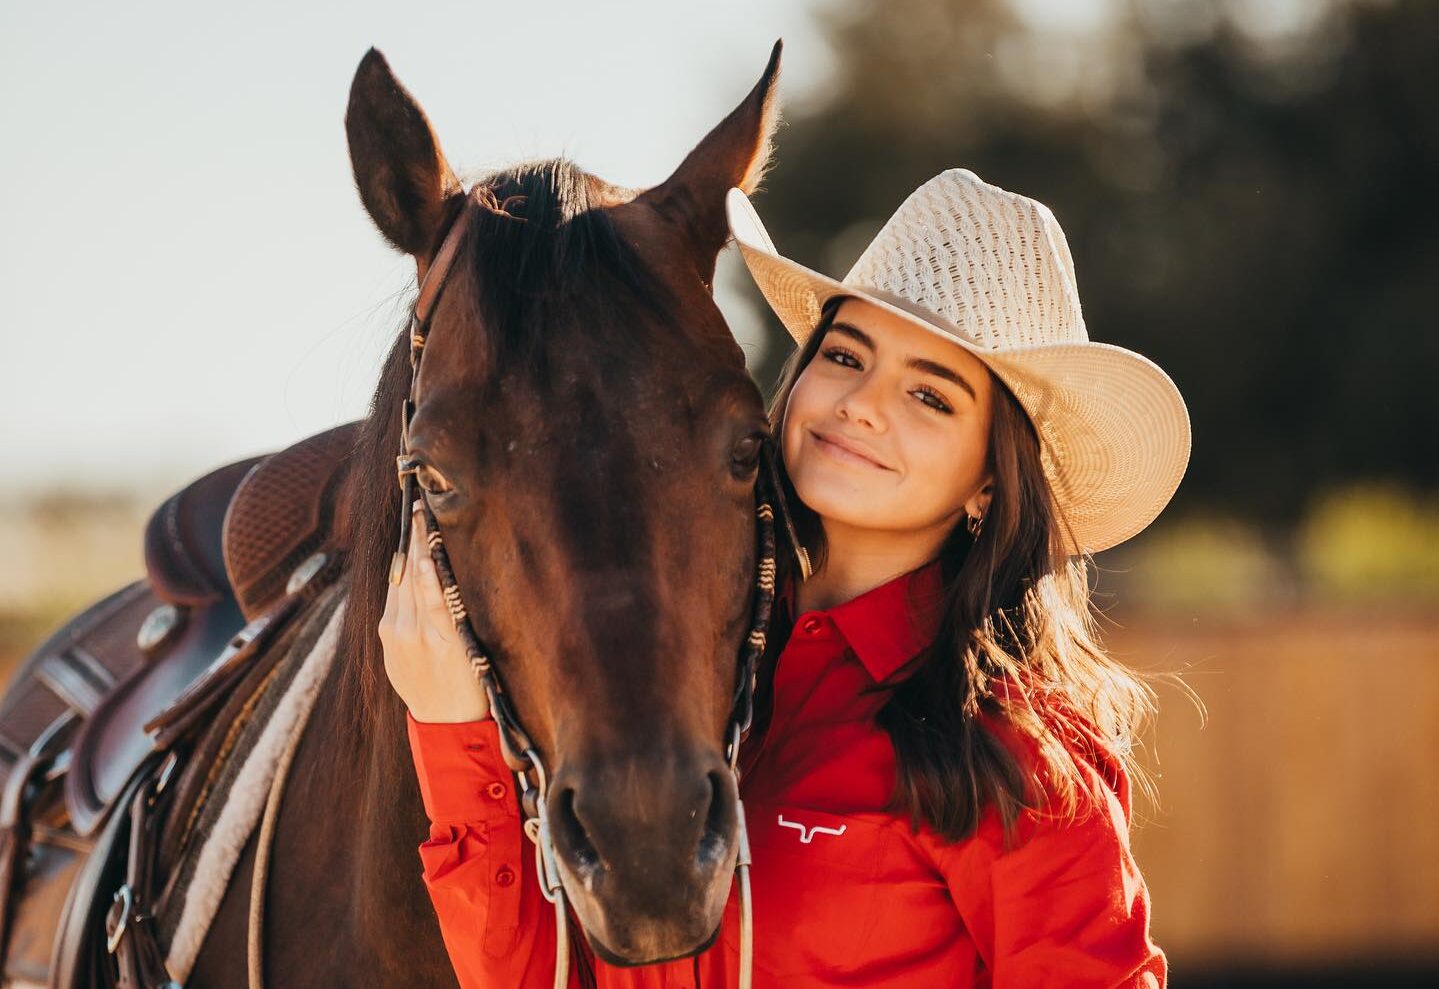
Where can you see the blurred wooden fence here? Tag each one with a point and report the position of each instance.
(1300, 826)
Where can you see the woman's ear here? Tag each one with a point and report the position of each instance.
(978, 504)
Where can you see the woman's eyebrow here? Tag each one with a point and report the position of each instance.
(941, 371)
(849, 330)
(918, 363)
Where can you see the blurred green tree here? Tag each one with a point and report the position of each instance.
(1254, 207)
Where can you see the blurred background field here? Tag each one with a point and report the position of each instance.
(1250, 189)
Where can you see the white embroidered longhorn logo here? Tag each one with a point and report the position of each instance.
(806, 835)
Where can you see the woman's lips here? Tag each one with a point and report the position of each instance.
(836, 448)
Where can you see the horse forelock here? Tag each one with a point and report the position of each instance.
(543, 247)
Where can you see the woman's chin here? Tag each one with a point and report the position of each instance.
(841, 499)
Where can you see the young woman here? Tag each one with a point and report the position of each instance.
(937, 787)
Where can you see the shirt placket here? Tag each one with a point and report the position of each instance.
(812, 648)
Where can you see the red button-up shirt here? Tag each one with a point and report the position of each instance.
(845, 894)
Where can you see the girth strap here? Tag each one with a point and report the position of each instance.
(129, 925)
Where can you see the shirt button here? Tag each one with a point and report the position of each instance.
(811, 626)
(505, 876)
(496, 791)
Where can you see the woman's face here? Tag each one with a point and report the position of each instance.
(887, 427)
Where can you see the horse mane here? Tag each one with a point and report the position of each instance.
(537, 242)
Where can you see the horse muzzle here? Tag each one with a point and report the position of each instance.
(646, 849)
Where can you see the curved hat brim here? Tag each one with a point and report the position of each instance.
(1114, 429)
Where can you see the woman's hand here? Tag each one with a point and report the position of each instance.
(423, 658)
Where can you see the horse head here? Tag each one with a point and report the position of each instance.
(588, 439)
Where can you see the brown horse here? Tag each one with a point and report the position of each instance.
(590, 411)
(588, 416)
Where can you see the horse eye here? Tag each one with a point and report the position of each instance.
(432, 480)
(746, 453)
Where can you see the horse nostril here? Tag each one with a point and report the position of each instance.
(572, 835)
(718, 823)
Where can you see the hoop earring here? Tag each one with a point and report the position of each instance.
(805, 569)
(973, 523)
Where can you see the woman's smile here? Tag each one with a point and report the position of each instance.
(845, 451)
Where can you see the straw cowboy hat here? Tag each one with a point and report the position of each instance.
(991, 271)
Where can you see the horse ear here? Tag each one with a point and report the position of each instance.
(403, 178)
(735, 153)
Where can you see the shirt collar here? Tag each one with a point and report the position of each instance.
(889, 625)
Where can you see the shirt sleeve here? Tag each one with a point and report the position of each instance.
(479, 869)
(1064, 903)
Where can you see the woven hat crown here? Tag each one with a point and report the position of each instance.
(993, 264)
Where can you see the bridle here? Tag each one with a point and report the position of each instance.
(518, 750)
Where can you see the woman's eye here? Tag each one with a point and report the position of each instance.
(842, 357)
(432, 480)
(932, 398)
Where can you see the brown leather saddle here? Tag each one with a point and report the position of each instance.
(228, 560)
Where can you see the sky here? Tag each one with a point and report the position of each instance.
(187, 276)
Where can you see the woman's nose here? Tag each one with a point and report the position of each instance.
(862, 404)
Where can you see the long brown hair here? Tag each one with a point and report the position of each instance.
(1017, 641)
